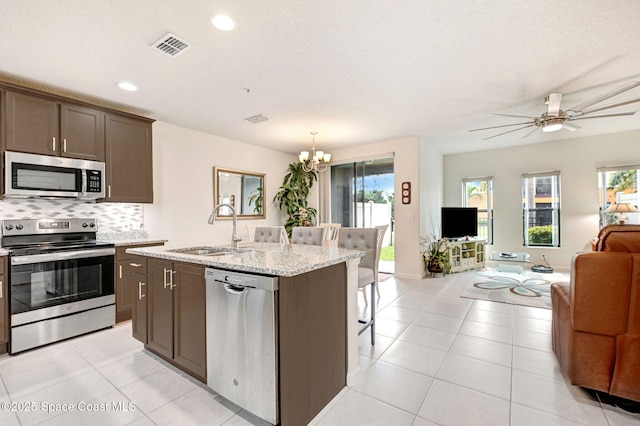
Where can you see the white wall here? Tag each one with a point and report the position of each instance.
(183, 161)
(577, 160)
(431, 192)
(407, 217)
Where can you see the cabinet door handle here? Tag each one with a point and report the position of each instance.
(64, 145)
(109, 190)
(136, 265)
(1, 294)
(172, 284)
(165, 277)
(54, 144)
(120, 272)
(140, 295)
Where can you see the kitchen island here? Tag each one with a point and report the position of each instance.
(316, 311)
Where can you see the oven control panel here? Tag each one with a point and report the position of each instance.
(47, 226)
(61, 224)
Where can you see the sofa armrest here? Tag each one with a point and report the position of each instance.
(600, 290)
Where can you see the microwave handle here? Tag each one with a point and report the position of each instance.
(84, 182)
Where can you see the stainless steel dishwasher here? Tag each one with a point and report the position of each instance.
(242, 337)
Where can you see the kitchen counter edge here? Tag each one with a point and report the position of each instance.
(268, 259)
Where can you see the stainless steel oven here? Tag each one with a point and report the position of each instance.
(61, 280)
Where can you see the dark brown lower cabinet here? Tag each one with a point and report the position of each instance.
(313, 342)
(126, 285)
(137, 277)
(4, 306)
(176, 314)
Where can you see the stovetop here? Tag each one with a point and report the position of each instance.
(50, 247)
(38, 236)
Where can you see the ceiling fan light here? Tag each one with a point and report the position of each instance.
(552, 125)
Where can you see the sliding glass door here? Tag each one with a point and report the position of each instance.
(362, 193)
(362, 197)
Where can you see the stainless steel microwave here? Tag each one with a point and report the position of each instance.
(43, 176)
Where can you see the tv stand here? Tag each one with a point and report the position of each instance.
(466, 254)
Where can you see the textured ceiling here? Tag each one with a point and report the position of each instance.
(355, 71)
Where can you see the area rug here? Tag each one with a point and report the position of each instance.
(526, 289)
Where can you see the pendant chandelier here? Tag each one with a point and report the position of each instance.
(319, 161)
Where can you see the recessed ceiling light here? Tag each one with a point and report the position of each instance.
(223, 22)
(130, 87)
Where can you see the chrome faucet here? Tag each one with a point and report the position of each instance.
(235, 239)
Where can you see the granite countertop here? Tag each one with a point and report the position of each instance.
(132, 238)
(135, 242)
(284, 260)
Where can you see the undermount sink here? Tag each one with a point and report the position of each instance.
(205, 251)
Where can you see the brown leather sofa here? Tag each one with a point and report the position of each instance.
(596, 318)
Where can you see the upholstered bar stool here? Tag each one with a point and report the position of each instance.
(270, 234)
(364, 239)
(307, 235)
(331, 230)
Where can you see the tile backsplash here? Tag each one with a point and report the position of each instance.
(112, 217)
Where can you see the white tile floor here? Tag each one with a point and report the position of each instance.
(438, 360)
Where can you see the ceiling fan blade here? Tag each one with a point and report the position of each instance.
(617, 104)
(569, 126)
(553, 100)
(510, 131)
(504, 125)
(511, 115)
(607, 95)
(531, 132)
(613, 114)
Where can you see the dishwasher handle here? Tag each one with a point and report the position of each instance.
(234, 289)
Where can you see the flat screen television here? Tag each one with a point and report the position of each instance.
(459, 222)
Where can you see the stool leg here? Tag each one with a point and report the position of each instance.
(373, 314)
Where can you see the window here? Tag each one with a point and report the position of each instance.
(479, 193)
(618, 185)
(541, 209)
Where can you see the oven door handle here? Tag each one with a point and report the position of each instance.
(64, 255)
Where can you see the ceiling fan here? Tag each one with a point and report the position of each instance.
(555, 119)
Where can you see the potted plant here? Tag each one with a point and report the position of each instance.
(436, 254)
(256, 196)
(292, 196)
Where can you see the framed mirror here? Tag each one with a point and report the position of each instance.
(243, 190)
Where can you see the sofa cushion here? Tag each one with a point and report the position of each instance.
(600, 285)
(624, 238)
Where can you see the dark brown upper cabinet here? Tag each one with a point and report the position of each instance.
(31, 124)
(81, 132)
(129, 160)
(39, 125)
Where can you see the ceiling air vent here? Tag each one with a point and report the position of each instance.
(257, 119)
(171, 45)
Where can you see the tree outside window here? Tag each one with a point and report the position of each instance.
(478, 193)
(541, 209)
